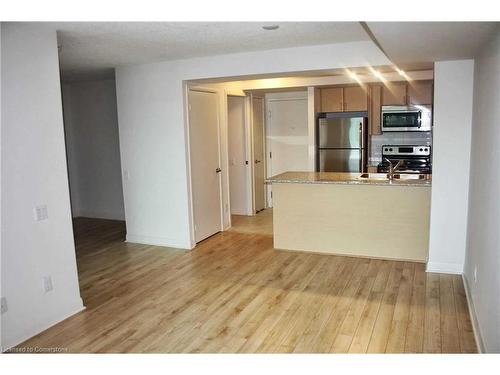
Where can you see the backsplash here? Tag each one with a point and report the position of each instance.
(396, 138)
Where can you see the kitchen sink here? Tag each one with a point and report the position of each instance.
(410, 176)
(397, 176)
(373, 176)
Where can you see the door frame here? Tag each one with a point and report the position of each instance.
(248, 150)
(252, 147)
(186, 90)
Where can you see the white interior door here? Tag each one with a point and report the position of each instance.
(205, 163)
(258, 153)
(287, 137)
(237, 155)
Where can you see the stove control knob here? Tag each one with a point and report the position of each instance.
(421, 149)
(390, 149)
(386, 149)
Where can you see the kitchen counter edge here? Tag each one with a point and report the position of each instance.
(340, 179)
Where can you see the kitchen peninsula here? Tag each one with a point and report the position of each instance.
(352, 214)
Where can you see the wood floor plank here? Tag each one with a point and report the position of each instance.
(350, 324)
(235, 293)
(432, 325)
(414, 342)
(465, 331)
(400, 318)
(449, 325)
(326, 337)
(316, 325)
(363, 333)
(381, 329)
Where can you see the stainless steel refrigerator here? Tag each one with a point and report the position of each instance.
(341, 139)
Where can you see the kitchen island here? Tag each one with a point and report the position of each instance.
(352, 214)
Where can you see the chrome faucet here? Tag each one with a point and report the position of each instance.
(393, 168)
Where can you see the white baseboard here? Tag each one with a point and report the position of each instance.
(102, 215)
(473, 317)
(451, 268)
(11, 342)
(158, 241)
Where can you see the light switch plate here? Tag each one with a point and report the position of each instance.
(4, 308)
(41, 213)
(47, 284)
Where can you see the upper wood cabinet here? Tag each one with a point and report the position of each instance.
(331, 99)
(374, 111)
(394, 94)
(355, 99)
(420, 92)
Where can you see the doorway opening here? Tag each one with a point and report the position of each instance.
(94, 166)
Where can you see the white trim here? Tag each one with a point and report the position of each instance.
(102, 215)
(158, 241)
(451, 268)
(246, 132)
(222, 115)
(187, 149)
(237, 93)
(473, 317)
(311, 126)
(249, 153)
(75, 310)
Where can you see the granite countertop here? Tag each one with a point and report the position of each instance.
(345, 179)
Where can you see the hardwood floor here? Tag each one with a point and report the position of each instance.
(261, 223)
(235, 293)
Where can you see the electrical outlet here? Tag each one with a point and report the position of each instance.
(4, 308)
(475, 274)
(126, 174)
(41, 213)
(47, 284)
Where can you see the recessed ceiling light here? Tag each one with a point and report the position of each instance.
(271, 27)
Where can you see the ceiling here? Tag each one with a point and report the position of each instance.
(410, 42)
(93, 49)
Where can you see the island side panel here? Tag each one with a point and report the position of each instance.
(371, 221)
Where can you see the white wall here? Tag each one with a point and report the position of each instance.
(453, 87)
(287, 132)
(34, 173)
(152, 128)
(483, 242)
(92, 142)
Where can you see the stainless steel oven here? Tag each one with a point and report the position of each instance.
(416, 118)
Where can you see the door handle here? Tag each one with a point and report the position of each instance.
(257, 161)
(218, 170)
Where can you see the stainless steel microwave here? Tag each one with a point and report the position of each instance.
(416, 118)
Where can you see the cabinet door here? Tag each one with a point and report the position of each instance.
(331, 99)
(394, 94)
(355, 99)
(420, 92)
(374, 113)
